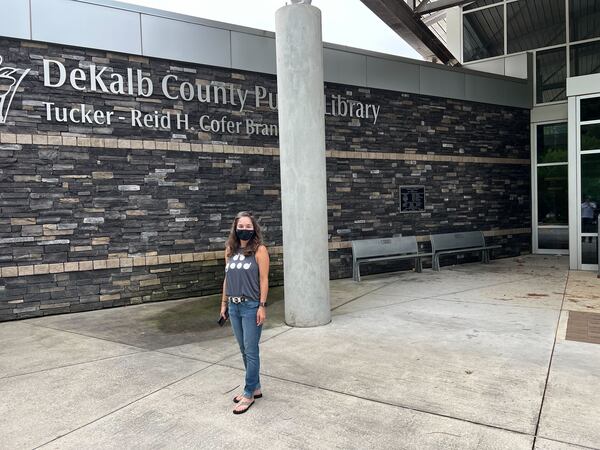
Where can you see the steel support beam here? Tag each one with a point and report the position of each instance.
(398, 15)
(429, 6)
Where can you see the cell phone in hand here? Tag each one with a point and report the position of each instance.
(222, 320)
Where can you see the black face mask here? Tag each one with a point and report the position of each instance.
(244, 235)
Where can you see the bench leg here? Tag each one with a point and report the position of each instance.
(486, 257)
(436, 263)
(357, 277)
(418, 264)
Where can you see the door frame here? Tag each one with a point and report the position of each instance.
(534, 193)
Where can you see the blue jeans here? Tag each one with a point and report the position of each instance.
(243, 321)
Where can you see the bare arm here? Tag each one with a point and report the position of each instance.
(224, 294)
(262, 258)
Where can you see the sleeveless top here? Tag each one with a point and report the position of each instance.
(242, 276)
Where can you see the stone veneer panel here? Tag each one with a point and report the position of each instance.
(96, 216)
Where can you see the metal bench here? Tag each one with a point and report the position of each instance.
(452, 243)
(387, 249)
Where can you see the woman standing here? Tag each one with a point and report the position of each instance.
(245, 292)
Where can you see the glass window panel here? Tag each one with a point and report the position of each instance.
(590, 109)
(584, 19)
(589, 250)
(553, 238)
(590, 192)
(535, 24)
(590, 137)
(483, 33)
(480, 3)
(551, 74)
(585, 59)
(552, 143)
(553, 195)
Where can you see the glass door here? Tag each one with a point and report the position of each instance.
(551, 205)
(589, 185)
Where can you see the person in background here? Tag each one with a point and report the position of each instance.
(588, 213)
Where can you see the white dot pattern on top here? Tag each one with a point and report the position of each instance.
(242, 277)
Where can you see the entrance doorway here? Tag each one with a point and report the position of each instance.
(584, 171)
(588, 146)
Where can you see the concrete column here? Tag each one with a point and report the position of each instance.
(300, 92)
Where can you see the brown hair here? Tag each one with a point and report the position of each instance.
(233, 243)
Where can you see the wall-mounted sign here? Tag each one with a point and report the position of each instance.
(412, 199)
(141, 84)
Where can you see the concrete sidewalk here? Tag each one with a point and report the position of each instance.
(472, 357)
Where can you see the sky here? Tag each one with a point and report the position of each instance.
(345, 22)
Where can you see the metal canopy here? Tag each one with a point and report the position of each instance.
(422, 24)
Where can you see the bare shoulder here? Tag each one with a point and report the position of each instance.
(262, 258)
(227, 252)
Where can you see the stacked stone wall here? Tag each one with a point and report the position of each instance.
(98, 216)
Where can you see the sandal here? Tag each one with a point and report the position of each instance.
(248, 402)
(236, 399)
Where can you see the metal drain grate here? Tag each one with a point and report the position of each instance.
(583, 327)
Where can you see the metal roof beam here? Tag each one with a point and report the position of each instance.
(429, 6)
(398, 15)
(434, 18)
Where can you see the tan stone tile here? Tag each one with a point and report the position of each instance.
(112, 263)
(111, 143)
(154, 282)
(8, 138)
(54, 140)
(24, 139)
(105, 240)
(40, 269)
(69, 141)
(139, 261)
(8, 272)
(56, 268)
(23, 221)
(164, 259)
(126, 262)
(40, 139)
(99, 264)
(86, 265)
(25, 270)
(71, 266)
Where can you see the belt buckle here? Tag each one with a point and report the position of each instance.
(236, 299)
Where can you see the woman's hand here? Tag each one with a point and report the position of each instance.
(261, 315)
(223, 309)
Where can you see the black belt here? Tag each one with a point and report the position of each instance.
(238, 299)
